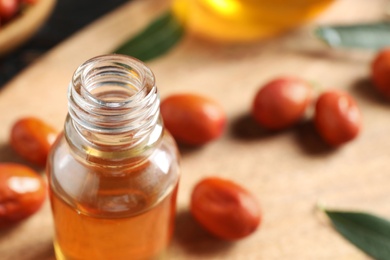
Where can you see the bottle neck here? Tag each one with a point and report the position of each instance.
(113, 109)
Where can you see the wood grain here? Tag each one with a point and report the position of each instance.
(289, 171)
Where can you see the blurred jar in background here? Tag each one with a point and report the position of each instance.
(245, 20)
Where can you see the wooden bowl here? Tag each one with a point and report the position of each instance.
(22, 27)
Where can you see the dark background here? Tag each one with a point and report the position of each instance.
(68, 17)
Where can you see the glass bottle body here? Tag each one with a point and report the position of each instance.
(112, 199)
(245, 20)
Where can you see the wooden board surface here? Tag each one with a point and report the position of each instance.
(289, 172)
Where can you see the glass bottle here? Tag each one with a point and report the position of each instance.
(245, 20)
(114, 172)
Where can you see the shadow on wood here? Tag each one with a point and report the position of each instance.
(364, 88)
(190, 236)
(310, 141)
(245, 127)
(8, 155)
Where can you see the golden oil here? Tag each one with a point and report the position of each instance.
(245, 20)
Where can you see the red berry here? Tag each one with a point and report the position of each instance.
(337, 117)
(225, 209)
(32, 138)
(193, 119)
(22, 193)
(281, 103)
(8, 9)
(380, 72)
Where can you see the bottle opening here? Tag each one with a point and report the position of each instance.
(112, 83)
(112, 93)
(114, 97)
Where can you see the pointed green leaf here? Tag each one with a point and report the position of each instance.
(156, 39)
(368, 36)
(368, 232)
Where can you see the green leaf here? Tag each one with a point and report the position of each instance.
(368, 36)
(368, 232)
(156, 39)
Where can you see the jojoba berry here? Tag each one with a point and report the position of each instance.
(224, 208)
(337, 117)
(281, 102)
(380, 72)
(32, 138)
(193, 119)
(8, 9)
(22, 193)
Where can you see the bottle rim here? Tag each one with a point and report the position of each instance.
(114, 97)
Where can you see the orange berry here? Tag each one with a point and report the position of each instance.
(193, 119)
(337, 117)
(281, 103)
(32, 138)
(380, 72)
(22, 193)
(225, 209)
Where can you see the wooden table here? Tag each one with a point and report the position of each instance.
(289, 172)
